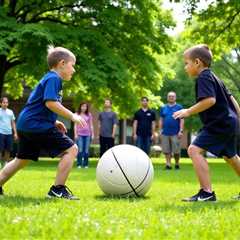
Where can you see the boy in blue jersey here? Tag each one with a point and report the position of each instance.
(219, 113)
(38, 127)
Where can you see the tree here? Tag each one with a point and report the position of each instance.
(117, 44)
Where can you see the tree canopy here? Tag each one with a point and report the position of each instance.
(117, 44)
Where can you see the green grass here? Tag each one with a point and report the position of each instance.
(25, 213)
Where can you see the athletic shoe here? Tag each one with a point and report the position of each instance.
(236, 197)
(168, 167)
(201, 196)
(177, 167)
(86, 167)
(79, 167)
(1, 191)
(61, 191)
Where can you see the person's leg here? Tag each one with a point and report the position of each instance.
(234, 162)
(109, 143)
(87, 145)
(78, 142)
(147, 144)
(65, 165)
(6, 156)
(2, 162)
(166, 148)
(102, 145)
(176, 149)
(201, 168)
(11, 168)
(83, 150)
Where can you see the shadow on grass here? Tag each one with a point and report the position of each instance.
(198, 206)
(105, 198)
(221, 172)
(21, 201)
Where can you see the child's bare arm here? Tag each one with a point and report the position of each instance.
(59, 109)
(197, 108)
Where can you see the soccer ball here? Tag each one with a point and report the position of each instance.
(125, 170)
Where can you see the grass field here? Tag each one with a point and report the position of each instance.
(25, 213)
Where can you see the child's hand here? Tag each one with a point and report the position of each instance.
(61, 127)
(181, 114)
(79, 120)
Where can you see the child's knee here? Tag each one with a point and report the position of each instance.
(193, 150)
(74, 150)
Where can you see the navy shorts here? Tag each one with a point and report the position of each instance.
(53, 142)
(6, 142)
(217, 144)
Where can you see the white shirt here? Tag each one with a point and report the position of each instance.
(6, 117)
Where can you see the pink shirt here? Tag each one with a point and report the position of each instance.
(85, 131)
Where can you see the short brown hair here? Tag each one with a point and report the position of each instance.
(201, 52)
(56, 54)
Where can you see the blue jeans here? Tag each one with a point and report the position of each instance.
(83, 143)
(144, 143)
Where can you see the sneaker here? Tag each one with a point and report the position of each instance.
(168, 167)
(201, 196)
(86, 167)
(1, 191)
(79, 167)
(236, 197)
(177, 167)
(61, 191)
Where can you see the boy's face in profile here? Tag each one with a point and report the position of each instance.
(191, 66)
(67, 69)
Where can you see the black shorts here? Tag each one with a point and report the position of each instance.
(219, 145)
(6, 142)
(52, 141)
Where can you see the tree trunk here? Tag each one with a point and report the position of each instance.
(3, 70)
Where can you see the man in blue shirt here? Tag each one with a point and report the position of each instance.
(171, 130)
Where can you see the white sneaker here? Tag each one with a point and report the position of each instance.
(86, 167)
(79, 167)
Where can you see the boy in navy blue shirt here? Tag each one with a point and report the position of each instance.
(219, 113)
(38, 128)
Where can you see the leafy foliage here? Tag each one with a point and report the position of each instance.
(117, 44)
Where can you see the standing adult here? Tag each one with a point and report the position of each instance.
(7, 130)
(83, 135)
(107, 125)
(144, 126)
(171, 130)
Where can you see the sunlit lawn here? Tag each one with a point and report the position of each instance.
(25, 213)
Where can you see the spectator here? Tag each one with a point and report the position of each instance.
(107, 127)
(171, 130)
(144, 126)
(7, 131)
(83, 135)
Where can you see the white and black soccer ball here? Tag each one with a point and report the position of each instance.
(125, 170)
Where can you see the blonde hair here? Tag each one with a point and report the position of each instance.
(201, 52)
(56, 54)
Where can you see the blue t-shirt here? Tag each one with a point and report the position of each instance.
(35, 116)
(221, 118)
(170, 126)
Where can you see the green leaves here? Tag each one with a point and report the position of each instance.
(117, 44)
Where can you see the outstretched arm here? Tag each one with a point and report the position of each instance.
(201, 106)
